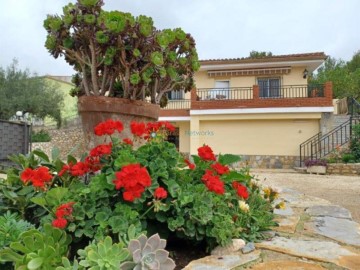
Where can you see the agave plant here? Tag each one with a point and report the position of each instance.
(148, 254)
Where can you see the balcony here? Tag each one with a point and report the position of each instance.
(252, 97)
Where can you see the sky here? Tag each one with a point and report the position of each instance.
(221, 28)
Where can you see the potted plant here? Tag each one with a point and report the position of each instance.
(123, 64)
(317, 166)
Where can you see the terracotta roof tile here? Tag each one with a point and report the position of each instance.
(273, 58)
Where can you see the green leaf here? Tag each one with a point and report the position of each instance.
(56, 195)
(229, 159)
(35, 263)
(39, 201)
(41, 155)
(55, 153)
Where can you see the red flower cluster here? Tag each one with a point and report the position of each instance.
(220, 169)
(142, 129)
(38, 177)
(128, 141)
(79, 169)
(108, 127)
(206, 153)
(134, 179)
(138, 129)
(102, 149)
(191, 165)
(160, 193)
(62, 212)
(241, 190)
(213, 182)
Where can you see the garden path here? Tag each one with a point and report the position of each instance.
(314, 233)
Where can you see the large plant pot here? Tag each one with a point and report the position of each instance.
(94, 110)
(316, 169)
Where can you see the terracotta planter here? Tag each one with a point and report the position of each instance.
(316, 169)
(94, 110)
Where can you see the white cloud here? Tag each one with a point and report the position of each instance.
(228, 28)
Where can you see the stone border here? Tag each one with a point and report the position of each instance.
(343, 169)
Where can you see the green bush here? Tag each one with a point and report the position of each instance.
(348, 158)
(148, 189)
(355, 142)
(41, 136)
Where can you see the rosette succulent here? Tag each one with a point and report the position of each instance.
(148, 253)
(114, 43)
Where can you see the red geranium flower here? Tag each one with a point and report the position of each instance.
(160, 193)
(191, 165)
(27, 175)
(108, 127)
(93, 163)
(102, 149)
(241, 190)
(134, 179)
(213, 182)
(66, 168)
(64, 210)
(138, 129)
(59, 223)
(79, 169)
(37, 177)
(128, 141)
(220, 169)
(206, 153)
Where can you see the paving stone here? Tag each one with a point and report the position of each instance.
(328, 210)
(339, 229)
(249, 247)
(288, 211)
(224, 262)
(325, 251)
(288, 265)
(234, 246)
(287, 224)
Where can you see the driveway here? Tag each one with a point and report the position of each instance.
(338, 189)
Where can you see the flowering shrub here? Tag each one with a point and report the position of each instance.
(315, 162)
(117, 187)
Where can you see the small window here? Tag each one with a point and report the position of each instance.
(269, 87)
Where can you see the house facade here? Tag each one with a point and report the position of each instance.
(259, 108)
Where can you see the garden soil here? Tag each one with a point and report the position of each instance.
(338, 189)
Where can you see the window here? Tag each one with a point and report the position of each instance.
(269, 87)
(175, 95)
(221, 90)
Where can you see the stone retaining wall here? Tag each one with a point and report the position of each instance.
(268, 162)
(343, 169)
(67, 140)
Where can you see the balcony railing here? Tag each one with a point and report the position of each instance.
(178, 104)
(224, 93)
(299, 91)
(255, 97)
(246, 93)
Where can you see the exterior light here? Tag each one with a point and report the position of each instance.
(305, 73)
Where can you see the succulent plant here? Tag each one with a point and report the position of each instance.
(148, 254)
(104, 255)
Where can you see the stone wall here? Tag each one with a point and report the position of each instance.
(343, 169)
(67, 140)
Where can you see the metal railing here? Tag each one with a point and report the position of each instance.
(232, 93)
(178, 104)
(320, 145)
(302, 91)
